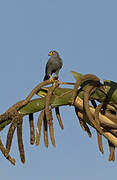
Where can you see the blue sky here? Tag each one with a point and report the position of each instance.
(85, 34)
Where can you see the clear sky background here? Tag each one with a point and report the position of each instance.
(85, 34)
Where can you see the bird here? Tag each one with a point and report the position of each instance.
(54, 64)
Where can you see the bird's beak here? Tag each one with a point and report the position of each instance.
(50, 54)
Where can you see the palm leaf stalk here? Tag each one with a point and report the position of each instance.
(101, 115)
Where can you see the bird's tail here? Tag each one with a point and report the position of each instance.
(46, 77)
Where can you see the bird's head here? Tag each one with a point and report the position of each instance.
(53, 54)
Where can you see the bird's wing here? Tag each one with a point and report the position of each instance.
(49, 63)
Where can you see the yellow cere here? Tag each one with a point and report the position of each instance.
(51, 53)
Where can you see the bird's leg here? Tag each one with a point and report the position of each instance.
(51, 78)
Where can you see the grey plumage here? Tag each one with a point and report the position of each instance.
(53, 65)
